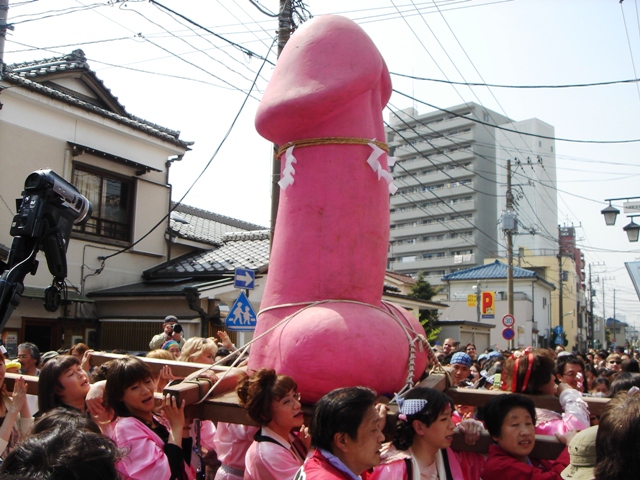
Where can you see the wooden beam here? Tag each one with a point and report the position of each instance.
(477, 398)
(32, 382)
(546, 447)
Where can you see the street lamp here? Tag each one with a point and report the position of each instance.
(610, 213)
(633, 229)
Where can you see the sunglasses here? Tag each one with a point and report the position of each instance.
(615, 362)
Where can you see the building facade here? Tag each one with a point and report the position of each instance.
(451, 176)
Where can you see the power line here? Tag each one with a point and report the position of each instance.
(636, 140)
(213, 156)
(244, 50)
(498, 85)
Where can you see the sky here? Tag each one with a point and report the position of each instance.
(207, 84)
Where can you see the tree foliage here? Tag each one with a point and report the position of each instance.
(423, 290)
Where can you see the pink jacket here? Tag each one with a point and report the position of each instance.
(231, 443)
(394, 466)
(145, 458)
(575, 416)
(270, 457)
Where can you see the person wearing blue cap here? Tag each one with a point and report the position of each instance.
(461, 363)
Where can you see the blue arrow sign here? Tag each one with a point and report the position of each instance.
(558, 330)
(244, 278)
(242, 317)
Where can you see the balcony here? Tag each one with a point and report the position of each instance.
(430, 263)
(421, 194)
(420, 246)
(434, 145)
(420, 210)
(431, 228)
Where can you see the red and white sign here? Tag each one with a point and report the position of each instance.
(508, 320)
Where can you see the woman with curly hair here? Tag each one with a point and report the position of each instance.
(198, 350)
(272, 401)
(533, 373)
(422, 440)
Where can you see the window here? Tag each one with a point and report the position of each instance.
(111, 198)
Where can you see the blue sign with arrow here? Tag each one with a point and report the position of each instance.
(242, 317)
(244, 278)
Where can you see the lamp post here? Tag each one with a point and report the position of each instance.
(610, 214)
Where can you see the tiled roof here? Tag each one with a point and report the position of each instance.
(34, 76)
(206, 227)
(157, 288)
(240, 250)
(401, 277)
(495, 270)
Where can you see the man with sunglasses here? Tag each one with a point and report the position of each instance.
(614, 362)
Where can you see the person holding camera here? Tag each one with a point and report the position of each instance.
(172, 331)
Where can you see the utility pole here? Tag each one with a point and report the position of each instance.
(4, 13)
(560, 278)
(510, 307)
(285, 27)
(591, 332)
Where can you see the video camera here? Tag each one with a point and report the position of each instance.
(47, 211)
(176, 328)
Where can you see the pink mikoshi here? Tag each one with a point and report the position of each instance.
(323, 321)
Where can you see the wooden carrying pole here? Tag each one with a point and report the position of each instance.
(223, 404)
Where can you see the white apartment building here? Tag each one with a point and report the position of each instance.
(451, 178)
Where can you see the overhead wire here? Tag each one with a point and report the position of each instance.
(498, 85)
(181, 56)
(213, 156)
(560, 139)
(626, 31)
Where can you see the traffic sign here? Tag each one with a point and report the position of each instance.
(242, 317)
(508, 333)
(559, 340)
(508, 320)
(558, 330)
(244, 278)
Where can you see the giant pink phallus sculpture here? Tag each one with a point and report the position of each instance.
(323, 320)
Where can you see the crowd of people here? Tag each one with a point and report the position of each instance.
(112, 421)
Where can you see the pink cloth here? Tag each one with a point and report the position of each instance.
(145, 458)
(550, 422)
(394, 467)
(231, 443)
(271, 460)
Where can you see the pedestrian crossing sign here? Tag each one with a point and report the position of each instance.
(242, 317)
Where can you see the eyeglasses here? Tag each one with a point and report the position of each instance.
(286, 400)
(615, 362)
(471, 349)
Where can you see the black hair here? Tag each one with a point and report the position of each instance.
(630, 365)
(49, 381)
(563, 360)
(623, 382)
(498, 407)
(121, 374)
(63, 453)
(437, 402)
(340, 411)
(257, 392)
(72, 419)
(618, 439)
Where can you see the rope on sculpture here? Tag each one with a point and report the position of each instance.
(310, 142)
(418, 337)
